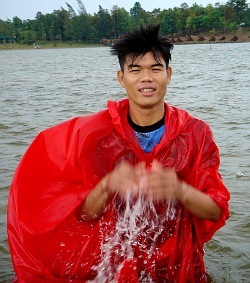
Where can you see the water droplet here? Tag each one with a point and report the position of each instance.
(239, 174)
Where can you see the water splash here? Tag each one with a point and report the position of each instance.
(139, 230)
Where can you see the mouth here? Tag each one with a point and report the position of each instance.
(147, 90)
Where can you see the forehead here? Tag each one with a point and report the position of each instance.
(147, 58)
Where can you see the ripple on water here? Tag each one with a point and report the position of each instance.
(211, 83)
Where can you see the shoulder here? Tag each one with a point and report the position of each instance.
(185, 121)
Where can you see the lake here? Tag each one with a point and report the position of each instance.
(42, 87)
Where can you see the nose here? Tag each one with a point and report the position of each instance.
(146, 76)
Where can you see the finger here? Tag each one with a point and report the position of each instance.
(156, 166)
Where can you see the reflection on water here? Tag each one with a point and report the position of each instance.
(40, 88)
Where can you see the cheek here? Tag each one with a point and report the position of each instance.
(128, 83)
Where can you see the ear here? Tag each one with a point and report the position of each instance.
(120, 76)
(169, 74)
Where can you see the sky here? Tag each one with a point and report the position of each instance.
(27, 9)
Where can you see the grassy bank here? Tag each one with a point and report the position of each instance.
(45, 45)
(242, 35)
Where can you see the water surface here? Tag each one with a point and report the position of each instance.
(40, 88)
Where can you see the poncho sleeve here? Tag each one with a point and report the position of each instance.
(47, 187)
(47, 180)
(205, 176)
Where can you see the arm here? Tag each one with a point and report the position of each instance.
(96, 201)
(123, 178)
(158, 184)
(198, 203)
(163, 184)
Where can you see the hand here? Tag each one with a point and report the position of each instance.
(161, 183)
(126, 178)
(157, 184)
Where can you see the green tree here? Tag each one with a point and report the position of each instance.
(213, 19)
(48, 23)
(120, 19)
(66, 24)
(61, 25)
(17, 26)
(38, 26)
(240, 8)
(138, 16)
(195, 19)
(181, 16)
(104, 23)
(83, 28)
(6, 28)
(167, 21)
(229, 15)
(81, 9)
(246, 18)
(71, 11)
(27, 34)
(17, 23)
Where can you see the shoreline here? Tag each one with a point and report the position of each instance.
(237, 37)
(45, 45)
(212, 38)
(10, 46)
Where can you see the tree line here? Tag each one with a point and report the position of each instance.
(66, 24)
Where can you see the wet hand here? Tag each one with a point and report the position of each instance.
(161, 183)
(126, 178)
(156, 184)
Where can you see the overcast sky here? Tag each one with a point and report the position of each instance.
(27, 9)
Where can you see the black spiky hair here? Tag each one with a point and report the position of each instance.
(140, 41)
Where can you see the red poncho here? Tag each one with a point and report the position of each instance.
(62, 165)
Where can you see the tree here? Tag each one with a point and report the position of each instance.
(138, 16)
(246, 18)
(240, 7)
(104, 23)
(84, 28)
(167, 21)
(48, 22)
(155, 13)
(195, 19)
(6, 28)
(71, 11)
(213, 19)
(81, 9)
(27, 33)
(17, 26)
(182, 15)
(61, 26)
(120, 19)
(66, 24)
(229, 15)
(38, 26)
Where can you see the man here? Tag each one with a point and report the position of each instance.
(129, 194)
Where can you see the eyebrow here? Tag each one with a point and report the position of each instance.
(130, 66)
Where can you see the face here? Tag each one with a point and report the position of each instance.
(145, 81)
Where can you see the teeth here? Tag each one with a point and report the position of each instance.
(146, 90)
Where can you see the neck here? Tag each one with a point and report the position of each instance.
(146, 117)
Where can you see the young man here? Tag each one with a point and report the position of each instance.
(129, 194)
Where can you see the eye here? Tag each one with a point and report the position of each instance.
(156, 70)
(135, 70)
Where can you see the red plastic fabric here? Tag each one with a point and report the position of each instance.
(48, 243)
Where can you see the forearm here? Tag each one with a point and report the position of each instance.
(96, 201)
(115, 182)
(198, 203)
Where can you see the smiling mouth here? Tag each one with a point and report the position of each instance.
(147, 90)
